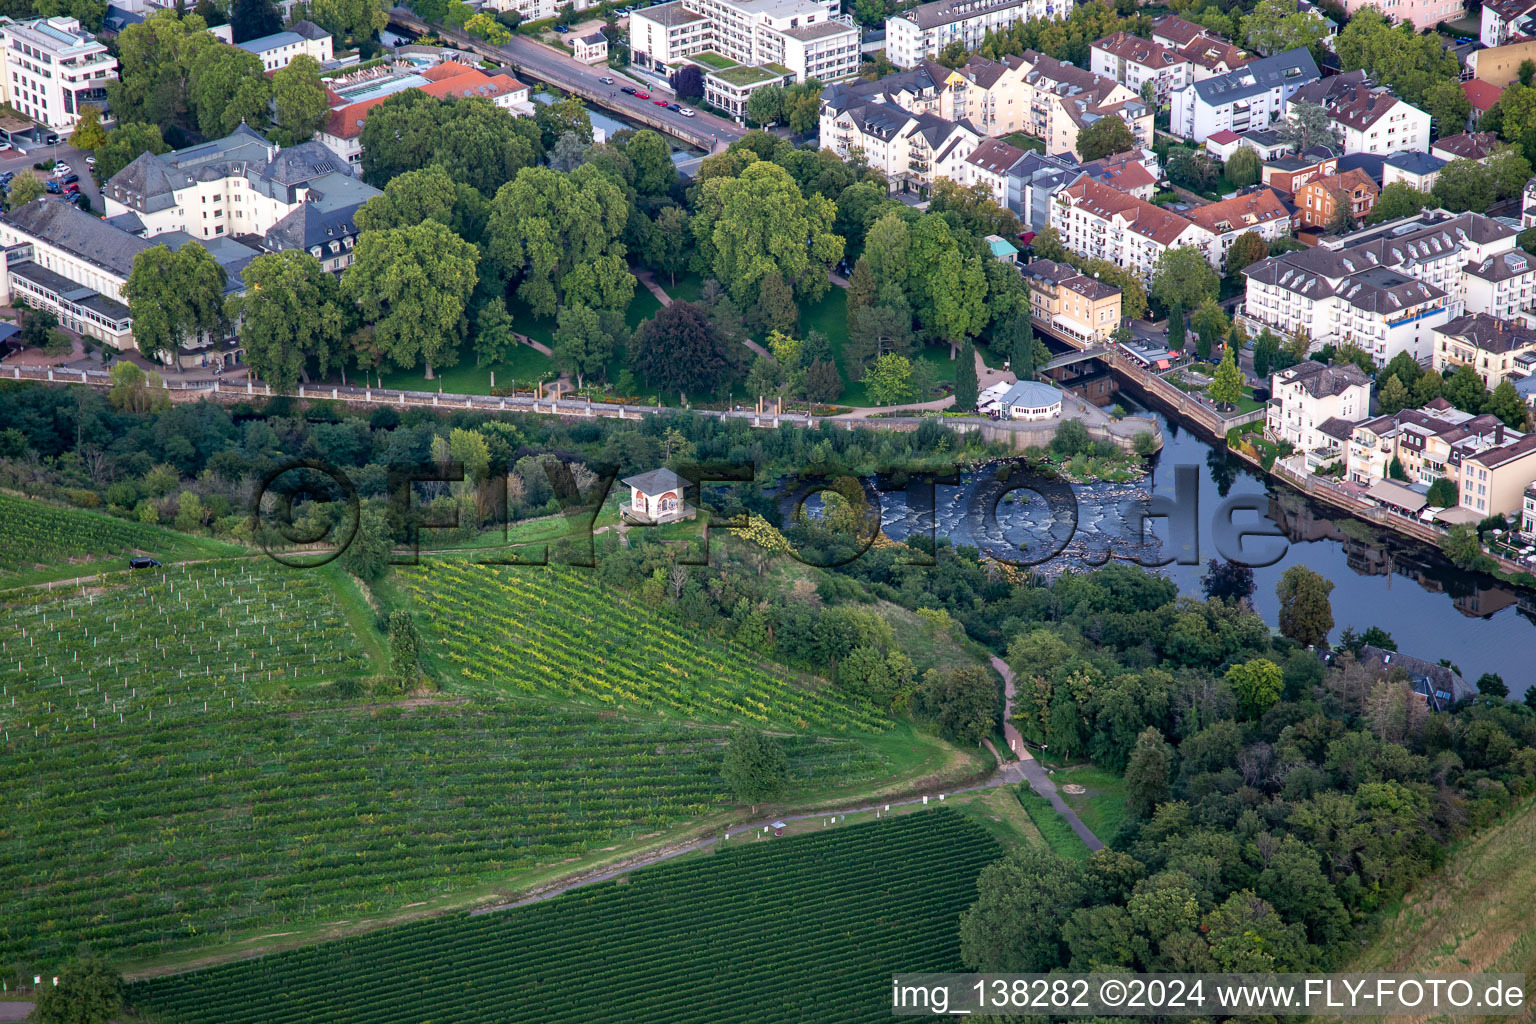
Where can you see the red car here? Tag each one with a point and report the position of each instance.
(642, 95)
(659, 103)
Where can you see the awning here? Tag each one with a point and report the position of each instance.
(1390, 492)
(1458, 514)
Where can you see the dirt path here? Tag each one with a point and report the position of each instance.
(1039, 778)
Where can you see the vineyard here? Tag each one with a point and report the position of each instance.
(149, 645)
(40, 536)
(776, 930)
(560, 632)
(149, 836)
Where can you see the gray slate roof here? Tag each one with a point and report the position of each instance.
(79, 234)
(657, 481)
(1291, 67)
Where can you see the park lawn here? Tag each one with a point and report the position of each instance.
(1102, 807)
(688, 288)
(523, 365)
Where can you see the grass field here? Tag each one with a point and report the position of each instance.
(46, 542)
(1472, 916)
(775, 930)
(1058, 835)
(558, 632)
(1102, 807)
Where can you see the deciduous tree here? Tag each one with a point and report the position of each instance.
(1105, 137)
(1305, 613)
(290, 317)
(754, 767)
(679, 350)
(299, 102)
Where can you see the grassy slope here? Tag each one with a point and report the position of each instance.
(1053, 827)
(1102, 807)
(1474, 915)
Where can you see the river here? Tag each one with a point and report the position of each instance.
(1432, 609)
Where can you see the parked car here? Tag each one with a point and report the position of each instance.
(90, 161)
(606, 80)
(51, 140)
(143, 563)
(659, 102)
(59, 170)
(72, 189)
(641, 95)
(52, 187)
(674, 106)
(70, 179)
(561, 29)
(688, 112)
(628, 90)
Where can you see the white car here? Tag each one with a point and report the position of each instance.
(90, 161)
(59, 170)
(688, 112)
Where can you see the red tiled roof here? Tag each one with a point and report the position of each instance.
(1149, 221)
(1139, 51)
(448, 79)
(1239, 212)
(1483, 95)
(1222, 138)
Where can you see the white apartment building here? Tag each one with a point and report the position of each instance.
(1101, 222)
(1387, 288)
(910, 149)
(52, 68)
(1251, 97)
(1308, 395)
(988, 164)
(302, 39)
(1134, 62)
(922, 33)
(1495, 348)
(1367, 118)
(807, 38)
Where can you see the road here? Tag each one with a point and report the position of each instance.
(537, 61)
(22, 163)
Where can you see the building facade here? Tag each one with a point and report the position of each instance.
(1345, 198)
(924, 31)
(1253, 96)
(809, 38)
(1067, 300)
(302, 39)
(1135, 63)
(1367, 118)
(52, 68)
(1308, 395)
(1491, 346)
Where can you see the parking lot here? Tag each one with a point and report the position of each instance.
(22, 163)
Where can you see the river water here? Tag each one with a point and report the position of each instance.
(1432, 609)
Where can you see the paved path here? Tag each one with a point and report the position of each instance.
(14, 1011)
(1039, 779)
(648, 279)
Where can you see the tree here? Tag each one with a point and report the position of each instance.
(1256, 684)
(668, 242)
(478, 143)
(563, 117)
(967, 386)
(561, 234)
(1508, 171)
(124, 144)
(89, 134)
(1505, 403)
(754, 767)
(367, 555)
(88, 992)
(409, 199)
(1227, 385)
(688, 82)
(946, 285)
(582, 342)
(24, 189)
(1148, 773)
(153, 59)
(963, 703)
(355, 20)
(1305, 614)
(495, 337)
(775, 308)
(1182, 277)
(412, 285)
(227, 86)
(1400, 60)
(876, 331)
(404, 647)
(1265, 348)
(1491, 684)
(655, 173)
(1306, 125)
(175, 297)
(760, 221)
(567, 153)
(1464, 389)
(1022, 902)
(300, 107)
(1463, 185)
(888, 380)
(822, 381)
(1442, 493)
(1274, 26)
(1211, 322)
(252, 19)
(1193, 169)
(1176, 328)
(1105, 137)
(680, 350)
(802, 106)
(290, 316)
(1227, 581)
(766, 106)
(485, 27)
(1244, 167)
(1448, 107)
(1398, 199)
(134, 390)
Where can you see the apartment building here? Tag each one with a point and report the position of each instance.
(1498, 20)
(991, 94)
(1064, 99)
(1503, 285)
(1308, 395)
(52, 68)
(1139, 63)
(1430, 443)
(805, 38)
(862, 121)
(1313, 290)
(1367, 118)
(1126, 172)
(1417, 169)
(989, 164)
(1491, 346)
(1423, 15)
(922, 33)
(1067, 300)
(1258, 210)
(1289, 173)
(302, 39)
(1252, 96)
(1478, 146)
(1319, 201)
(1104, 223)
